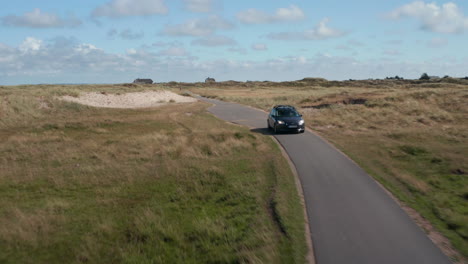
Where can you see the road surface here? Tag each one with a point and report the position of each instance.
(351, 218)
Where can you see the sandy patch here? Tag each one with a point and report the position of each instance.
(129, 100)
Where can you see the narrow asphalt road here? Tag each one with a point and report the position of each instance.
(351, 218)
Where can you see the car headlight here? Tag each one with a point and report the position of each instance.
(301, 122)
(280, 122)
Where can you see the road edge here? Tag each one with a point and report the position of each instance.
(310, 256)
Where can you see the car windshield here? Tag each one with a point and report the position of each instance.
(287, 113)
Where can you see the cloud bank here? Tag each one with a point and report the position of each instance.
(69, 61)
(124, 8)
(319, 32)
(198, 27)
(199, 6)
(447, 18)
(40, 19)
(255, 16)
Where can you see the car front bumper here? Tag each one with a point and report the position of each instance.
(290, 128)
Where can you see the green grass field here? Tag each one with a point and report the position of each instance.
(158, 185)
(412, 136)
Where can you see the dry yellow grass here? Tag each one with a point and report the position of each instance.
(165, 185)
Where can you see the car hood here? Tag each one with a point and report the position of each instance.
(290, 119)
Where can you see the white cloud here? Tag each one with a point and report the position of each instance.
(198, 27)
(238, 50)
(37, 58)
(199, 6)
(437, 43)
(7, 55)
(123, 8)
(447, 18)
(130, 34)
(260, 47)
(255, 16)
(132, 51)
(392, 52)
(127, 34)
(289, 14)
(30, 44)
(4, 47)
(320, 31)
(213, 41)
(165, 44)
(86, 48)
(174, 51)
(39, 19)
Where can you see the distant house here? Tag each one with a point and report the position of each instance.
(210, 80)
(143, 81)
(432, 77)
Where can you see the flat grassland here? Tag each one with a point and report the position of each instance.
(411, 135)
(170, 184)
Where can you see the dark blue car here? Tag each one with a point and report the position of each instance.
(285, 118)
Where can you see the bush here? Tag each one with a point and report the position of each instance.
(424, 76)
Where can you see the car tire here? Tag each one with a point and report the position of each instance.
(268, 124)
(275, 129)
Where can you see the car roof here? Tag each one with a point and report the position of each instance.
(284, 106)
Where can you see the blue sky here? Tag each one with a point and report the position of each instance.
(115, 41)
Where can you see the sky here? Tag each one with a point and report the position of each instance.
(117, 41)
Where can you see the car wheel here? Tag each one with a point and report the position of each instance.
(275, 129)
(268, 124)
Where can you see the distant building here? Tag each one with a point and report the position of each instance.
(210, 80)
(143, 81)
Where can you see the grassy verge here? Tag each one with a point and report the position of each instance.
(410, 135)
(161, 185)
